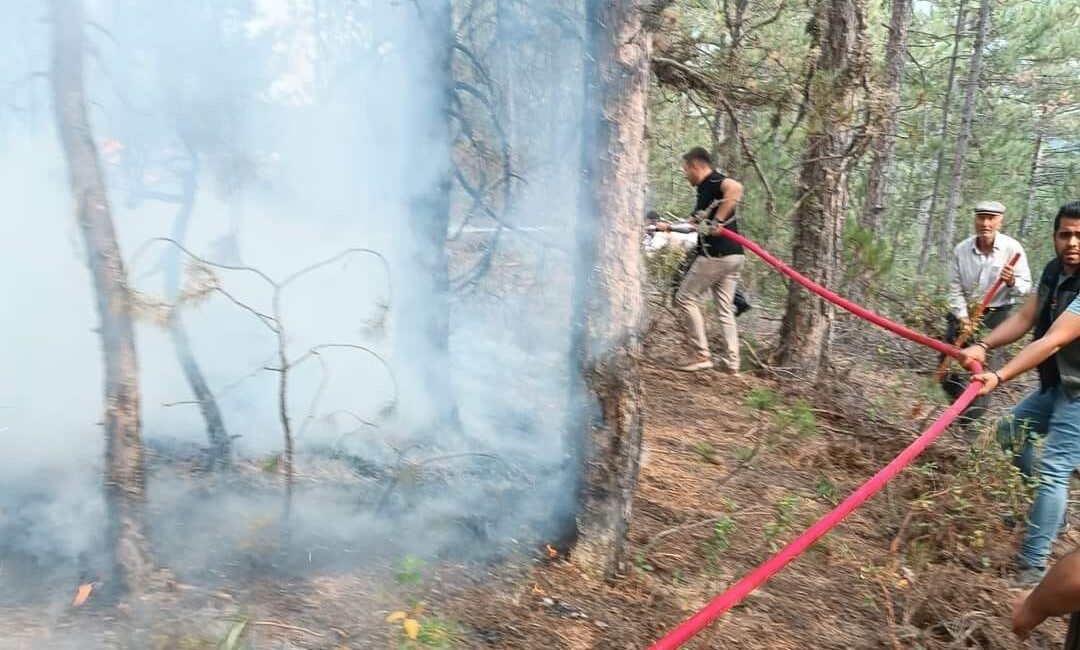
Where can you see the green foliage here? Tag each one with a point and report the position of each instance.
(661, 266)
(762, 399)
(800, 418)
(411, 571)
(705, 452)
(1030, 86)
(826, 489)
(951, 518)
(786, 510)
(720, 539)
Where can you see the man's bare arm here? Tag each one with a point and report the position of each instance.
(1013, 329)
(733, 193)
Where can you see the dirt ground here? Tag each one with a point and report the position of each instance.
(734, 467)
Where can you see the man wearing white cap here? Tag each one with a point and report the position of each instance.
(977, 262)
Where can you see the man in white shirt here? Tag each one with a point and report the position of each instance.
(977, 262)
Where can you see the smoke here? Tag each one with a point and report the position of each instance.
(304, 129)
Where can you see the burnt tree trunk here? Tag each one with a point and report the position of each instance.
(220, 453)
(946, 109)
(819, 223)
(124, 471)
(877, 190)
(967, 118)
(608, 297)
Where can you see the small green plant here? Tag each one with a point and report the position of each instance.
(762, 399)
(411, 571)
(720, 539)
(801, 417)
(271, 464)
(439, 634)
(786, 509)
(705, 452)
(745, 454)
(642, 565)
(826, 489)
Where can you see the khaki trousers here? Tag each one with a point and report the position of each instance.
(717, 275)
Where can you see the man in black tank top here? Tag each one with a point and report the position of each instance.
(716, 267)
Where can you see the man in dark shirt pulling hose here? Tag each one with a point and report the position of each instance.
(716, 267)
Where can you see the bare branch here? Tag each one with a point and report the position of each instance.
(314, 351)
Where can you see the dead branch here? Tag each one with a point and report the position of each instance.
(284, 626)
(276, 325)
(659, 537)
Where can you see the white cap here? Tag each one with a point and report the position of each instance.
(989, 207)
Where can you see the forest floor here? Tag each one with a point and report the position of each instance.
(734, 467)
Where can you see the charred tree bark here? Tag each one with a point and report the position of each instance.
(928, 232)
(220, 453)
(819, 223)
(967, 118)
(877, 191)
(124, 470)
(608, 297)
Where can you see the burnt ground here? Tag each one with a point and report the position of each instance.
(733, 468)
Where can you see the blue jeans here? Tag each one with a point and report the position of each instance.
(1053, 415)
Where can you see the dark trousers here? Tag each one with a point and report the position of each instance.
(955, 381)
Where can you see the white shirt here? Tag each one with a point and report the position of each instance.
(973, 273)
(658, 240)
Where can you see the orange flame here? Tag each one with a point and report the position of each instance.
(82, 594)
(552, 553)
(538, 591)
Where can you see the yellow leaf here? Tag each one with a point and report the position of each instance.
(394, 617)
(412, 628)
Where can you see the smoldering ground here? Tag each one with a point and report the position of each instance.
(290, 132)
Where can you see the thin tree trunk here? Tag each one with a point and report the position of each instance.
(220, 453)
(819, 224)
(881, 167)
(608, 298)
(967, 118)
(1029, 201)
(928, 233)
(124, 470)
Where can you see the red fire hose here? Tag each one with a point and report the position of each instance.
(763, 572)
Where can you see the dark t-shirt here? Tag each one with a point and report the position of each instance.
(707, 192)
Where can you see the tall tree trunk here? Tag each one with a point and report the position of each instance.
(928, 233)
(819, 224)
(1033, 176)
(220, 454)
(608, 298)
(971, 93)
(124, 471)
(425, 348)
(881, 167)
